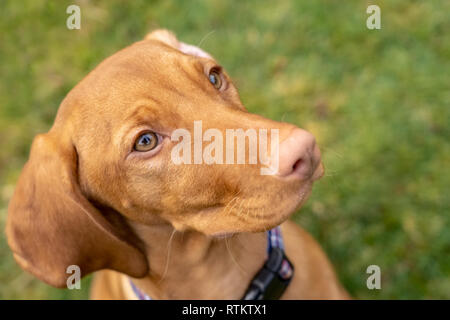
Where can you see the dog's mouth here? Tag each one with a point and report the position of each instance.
(261, 219)
(257, 211)
(319, 172)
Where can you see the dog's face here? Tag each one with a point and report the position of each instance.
(114, 147)
(144, 93)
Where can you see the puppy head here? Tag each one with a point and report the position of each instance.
(109, 158)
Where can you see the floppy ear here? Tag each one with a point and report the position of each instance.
(51, 225)
(170, 39)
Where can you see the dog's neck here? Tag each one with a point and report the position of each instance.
(190, 264)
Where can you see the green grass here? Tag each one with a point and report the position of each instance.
(377, 100)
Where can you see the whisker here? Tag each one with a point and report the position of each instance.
(329, 149)
(243, 201)
(228, 204)
(169, 247)
(204, 38)
(240, 206)
(234, 259)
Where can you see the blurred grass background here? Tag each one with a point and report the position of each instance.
(377, 100)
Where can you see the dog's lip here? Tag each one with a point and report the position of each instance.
(319, 172)
(222, 235)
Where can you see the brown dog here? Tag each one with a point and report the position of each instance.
(101, 191)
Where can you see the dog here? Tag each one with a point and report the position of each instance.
(100, 191)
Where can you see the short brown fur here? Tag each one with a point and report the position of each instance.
(84, 198)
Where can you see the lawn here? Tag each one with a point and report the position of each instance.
(377, 100)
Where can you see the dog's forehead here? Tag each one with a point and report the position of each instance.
(148, 60)
(151, 70)
(147, 70)
(133, 72)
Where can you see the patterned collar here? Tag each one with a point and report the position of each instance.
(271, 280)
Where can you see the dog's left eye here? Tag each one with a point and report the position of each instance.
(146, 142)
(215, 79)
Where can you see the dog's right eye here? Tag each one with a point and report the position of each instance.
(215, 79)
(146, 142)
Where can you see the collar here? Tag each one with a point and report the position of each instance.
(270, 281)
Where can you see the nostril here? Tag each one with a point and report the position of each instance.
(297, 155)
(297, 164)
(302, 166)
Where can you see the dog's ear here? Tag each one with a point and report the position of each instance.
(51, 225)
(164, 36)
(170, 39)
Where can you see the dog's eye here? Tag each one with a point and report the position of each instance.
(146, 142)
(215, 79)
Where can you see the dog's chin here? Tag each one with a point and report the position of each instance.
(267, 220)
(223, 225)
(291, 205)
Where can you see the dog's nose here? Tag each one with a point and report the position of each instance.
(299, 156)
